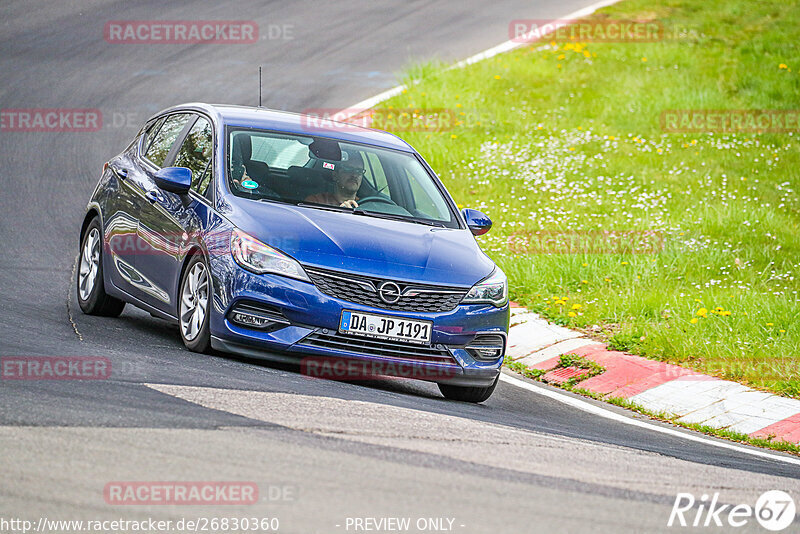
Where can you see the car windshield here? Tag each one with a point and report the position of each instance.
(326, 173)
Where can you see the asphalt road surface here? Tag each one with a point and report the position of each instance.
(322, 453)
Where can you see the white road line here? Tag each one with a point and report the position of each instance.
(602, 412)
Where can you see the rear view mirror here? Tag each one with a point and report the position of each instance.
(477, 222)
(174, 179)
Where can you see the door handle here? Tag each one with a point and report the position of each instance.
(152, 196)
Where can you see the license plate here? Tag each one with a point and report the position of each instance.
(385, 327)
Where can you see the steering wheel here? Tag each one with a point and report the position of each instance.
(377, 199)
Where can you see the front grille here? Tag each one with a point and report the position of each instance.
(364, 290)
(375, 347)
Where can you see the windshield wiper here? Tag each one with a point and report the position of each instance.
(278, 200)
(367, 213)
(322, 207)
(393, 217)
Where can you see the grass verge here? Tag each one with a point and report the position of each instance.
(565, 139)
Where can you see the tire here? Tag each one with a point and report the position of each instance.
(468, 393)
(194, 305)
(90, 287)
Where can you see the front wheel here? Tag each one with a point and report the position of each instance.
(92, 296)
(468, 393)
(193, 308)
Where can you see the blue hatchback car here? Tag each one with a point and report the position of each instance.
(275, 235)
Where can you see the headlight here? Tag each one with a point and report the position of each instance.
(259, 258)
(491, 290)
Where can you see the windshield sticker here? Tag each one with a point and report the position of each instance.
(249, 184)
(326, 165)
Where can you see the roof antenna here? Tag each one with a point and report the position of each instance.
(259, 86)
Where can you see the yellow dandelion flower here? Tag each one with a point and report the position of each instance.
(584, 281)
(702, 312)
(572, 314)
(770, 324)
(585, 264)
(783, 66)
(694, 320)
(496, 76)
(624, 263)
(782, 331)
(576, 306)
(644, 59)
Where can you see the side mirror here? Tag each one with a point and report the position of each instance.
(174, 179)
(477, 222)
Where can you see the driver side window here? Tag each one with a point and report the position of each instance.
(196, 154)
(162, 142)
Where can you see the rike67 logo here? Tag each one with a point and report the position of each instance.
(774, 510)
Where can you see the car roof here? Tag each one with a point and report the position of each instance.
(298, 123)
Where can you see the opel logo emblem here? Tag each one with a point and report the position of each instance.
(389, 292)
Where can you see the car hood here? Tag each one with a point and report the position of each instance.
(363, 244)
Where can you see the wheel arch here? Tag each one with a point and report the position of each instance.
(91, 213)
(194, 250)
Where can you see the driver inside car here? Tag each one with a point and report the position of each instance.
(347, 177)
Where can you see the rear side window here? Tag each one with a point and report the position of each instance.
(195, 154)
(163, 140)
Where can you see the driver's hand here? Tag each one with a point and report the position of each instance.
(238, 183)
(349, 204)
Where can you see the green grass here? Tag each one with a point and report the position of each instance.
(567, 138)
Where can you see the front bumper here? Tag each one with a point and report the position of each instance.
(314, 315)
